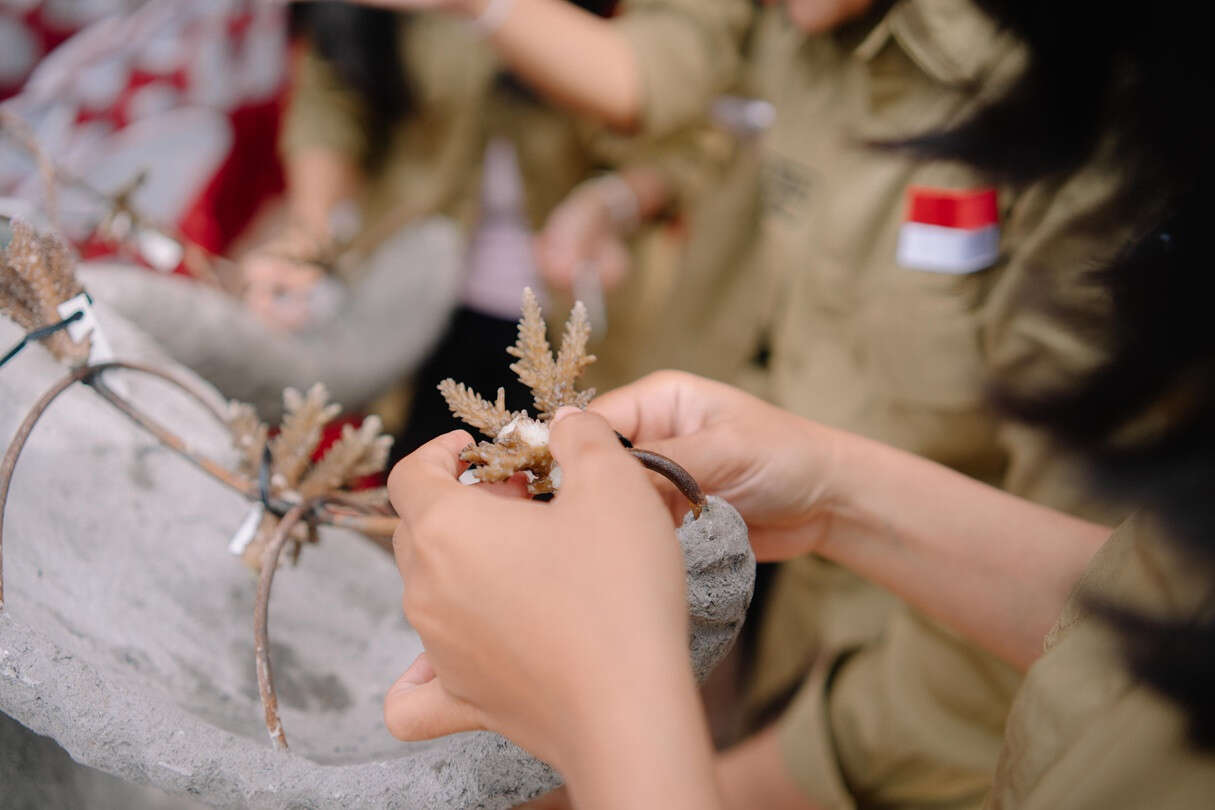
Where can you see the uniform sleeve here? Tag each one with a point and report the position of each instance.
(913, 719)
(322, 112)
(688, 51)
(693, 160)
(808, 744)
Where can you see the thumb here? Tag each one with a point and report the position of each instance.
(418, 707)
(580, 440)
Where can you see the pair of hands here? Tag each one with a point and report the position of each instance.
(548, 622)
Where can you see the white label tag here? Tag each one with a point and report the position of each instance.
(163, 252)
(247, 530)
(956, 251)
(86, 326)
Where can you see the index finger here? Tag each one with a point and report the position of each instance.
(426, 473)
(659, 406)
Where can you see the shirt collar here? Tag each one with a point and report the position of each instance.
(952, 41)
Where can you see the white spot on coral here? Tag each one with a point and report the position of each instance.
(531, 432)
(554, 476)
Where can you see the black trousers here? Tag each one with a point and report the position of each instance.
(472, 351)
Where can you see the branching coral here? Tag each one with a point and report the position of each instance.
(552, 380)
(519, 442)
(292, 474)
(37, 274)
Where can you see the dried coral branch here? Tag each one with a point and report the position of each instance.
(249, 434)
(36, 276)
(552, 382)
(520, 443)
(305, 417)
(535, 367)
(470, 408)
(498, 461)
(355, 454)
(572, 360)
(374, 503)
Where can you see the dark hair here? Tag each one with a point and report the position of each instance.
(1132, 84)
(361, 45)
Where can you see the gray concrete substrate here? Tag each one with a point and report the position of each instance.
(126, 636)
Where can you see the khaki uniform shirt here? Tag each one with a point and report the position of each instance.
(433, 160)
(687, 50)
(903, 355)
(1083, 734)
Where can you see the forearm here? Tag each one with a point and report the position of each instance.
(318, 179)
(991, 566)
(573, 57)
(754, 774)
(646, 745)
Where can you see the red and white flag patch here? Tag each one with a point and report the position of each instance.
(950, 231)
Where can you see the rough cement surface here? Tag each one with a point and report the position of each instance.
(127, 630)
(36, 774)
(720, 568)
(387, 325)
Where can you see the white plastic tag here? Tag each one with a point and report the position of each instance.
(955, 251)
(163, 252)
(86, 326)
(247, 530)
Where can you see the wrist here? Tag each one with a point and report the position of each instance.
(649, 749)
(832, 464)
(619, 201)
(465, 8)
(484, 16)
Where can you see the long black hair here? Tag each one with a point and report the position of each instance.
(1132, 85)
(361, 45)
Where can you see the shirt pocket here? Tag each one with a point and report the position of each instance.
(923, 333)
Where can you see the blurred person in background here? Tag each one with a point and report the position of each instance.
(395, 116)
(1115, 630)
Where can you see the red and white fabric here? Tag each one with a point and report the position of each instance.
(949, 231)
(188, 92)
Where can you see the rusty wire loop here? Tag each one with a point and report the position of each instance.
(261, 616)
(355, 515)
(677, 475)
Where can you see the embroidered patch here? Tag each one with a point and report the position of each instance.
(949, 231)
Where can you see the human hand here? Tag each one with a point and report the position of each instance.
(544, 622)
(279, 285)
(775, 468)
(581, 232)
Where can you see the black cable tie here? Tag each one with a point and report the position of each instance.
(263, 483)
(40, 333)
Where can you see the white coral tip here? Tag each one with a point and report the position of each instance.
(531, 432)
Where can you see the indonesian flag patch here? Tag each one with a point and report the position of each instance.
(949, 231)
